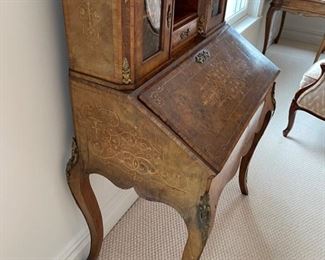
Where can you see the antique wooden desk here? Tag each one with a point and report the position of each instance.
(302, 7)
(167, 99)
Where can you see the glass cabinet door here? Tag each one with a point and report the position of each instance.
(153, 34)
(214, 14)
(215, 8)
(152, 23)
(217, 13)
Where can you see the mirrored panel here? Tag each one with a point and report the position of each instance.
(215, 7)
(152, 23)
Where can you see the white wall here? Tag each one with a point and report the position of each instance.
(256, 33)
(38, 216)
(296, 28)
(305, 29)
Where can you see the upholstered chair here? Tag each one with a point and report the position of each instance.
(311, 95)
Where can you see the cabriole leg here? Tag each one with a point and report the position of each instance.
(247, 158)
(292, 116)
(83, 194)
(198, 222)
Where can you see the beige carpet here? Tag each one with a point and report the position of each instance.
(284, 215)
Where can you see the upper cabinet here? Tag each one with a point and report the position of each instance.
(124, 42)
(95, 43)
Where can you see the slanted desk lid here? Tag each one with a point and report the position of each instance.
(209, 99)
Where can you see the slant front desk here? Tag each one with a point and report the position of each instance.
(167, 99)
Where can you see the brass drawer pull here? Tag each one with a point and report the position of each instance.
(202, 56)
(185, 34)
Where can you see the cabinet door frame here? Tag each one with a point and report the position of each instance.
(207, 22)
(144, 67)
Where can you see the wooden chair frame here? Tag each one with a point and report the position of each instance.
(295, 106)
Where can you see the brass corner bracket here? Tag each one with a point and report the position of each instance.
(204, 215)
(74, 157)
(201, 25)
(126, 72)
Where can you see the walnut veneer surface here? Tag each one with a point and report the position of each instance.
(175, 126)
(214, 101)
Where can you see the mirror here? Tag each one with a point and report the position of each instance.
(153, 11)
(215, 8)
(152, 20)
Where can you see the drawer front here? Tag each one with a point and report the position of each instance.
(184, 33)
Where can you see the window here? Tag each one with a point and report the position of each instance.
(236, 9)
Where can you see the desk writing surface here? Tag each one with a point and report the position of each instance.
(209, 104)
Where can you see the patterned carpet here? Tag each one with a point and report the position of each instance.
(284, 215)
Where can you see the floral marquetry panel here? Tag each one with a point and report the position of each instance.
(130, 148)
(210, 97)
(94, 37)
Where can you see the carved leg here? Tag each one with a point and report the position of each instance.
(199, 224)
(292, 115)
(268, 25)
(80, 187)
(247, 158)
(320, 50)
(276, 40)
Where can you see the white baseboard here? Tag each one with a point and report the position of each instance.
(112, 211)
(303, 35)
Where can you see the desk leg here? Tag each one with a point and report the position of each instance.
(199, 223)
(270, 103)
(276, 40)
(80, 187)
(268, 26)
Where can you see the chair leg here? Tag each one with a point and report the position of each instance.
(292, 115)
(276, 40)
(83, 194)
(268, 25)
